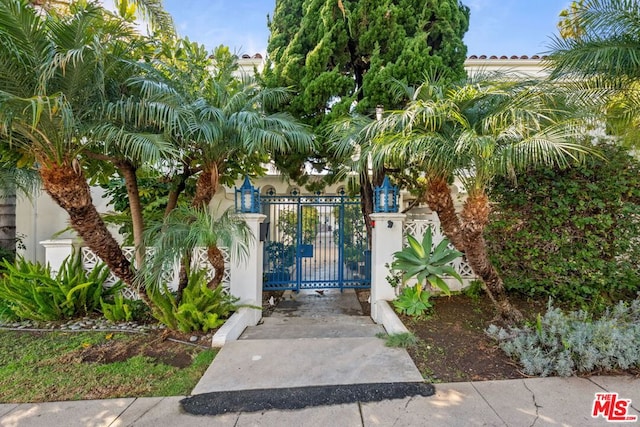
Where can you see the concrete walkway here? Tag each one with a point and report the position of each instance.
(311, 340)
(319, 343)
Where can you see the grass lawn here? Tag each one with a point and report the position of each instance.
(54, 366)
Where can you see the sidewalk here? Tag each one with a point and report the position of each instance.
(530, 402)
(316, 349)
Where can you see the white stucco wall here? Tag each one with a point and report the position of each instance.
(41, 219)
(519, 67)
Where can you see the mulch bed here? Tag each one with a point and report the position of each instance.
(452, 344)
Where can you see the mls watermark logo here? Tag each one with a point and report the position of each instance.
(612, 408)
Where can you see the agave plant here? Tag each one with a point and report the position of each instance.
(426, 264)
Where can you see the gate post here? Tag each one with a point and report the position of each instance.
(386, 240)
(246, 275)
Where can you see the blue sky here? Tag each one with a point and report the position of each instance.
(498, 27)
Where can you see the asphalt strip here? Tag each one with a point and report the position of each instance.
(223, 402)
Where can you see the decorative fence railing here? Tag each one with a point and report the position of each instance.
(417, 228)
(198, 260)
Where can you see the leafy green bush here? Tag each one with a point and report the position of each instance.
(200, 309)
(354, 233)
(288, 225)
(565, 344)
(571, 234)
(27, 290)
(9, 254)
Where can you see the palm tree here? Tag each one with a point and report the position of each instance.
(150, 10)
(54, 71)
(223, 128)
(605, 40)
(599, 43)
(475, 131)
(186, 228)
(216, 123)
(349, 141)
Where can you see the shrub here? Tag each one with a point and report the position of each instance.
(27, 290)
(121, 309)
(200, 308)
(564, 344)
(570, 234)
(117, 311)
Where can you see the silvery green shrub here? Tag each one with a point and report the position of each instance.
(563, 344)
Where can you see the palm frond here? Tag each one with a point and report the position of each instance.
(141, 148)
(152, 11)
(24, 181)
(187, 228)
(607, 44)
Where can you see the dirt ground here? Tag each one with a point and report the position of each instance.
(171, 348)
(452, 345)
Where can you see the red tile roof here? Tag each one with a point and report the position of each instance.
(503, 57)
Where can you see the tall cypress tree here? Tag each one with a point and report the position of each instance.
(341, 55)
(335, 52)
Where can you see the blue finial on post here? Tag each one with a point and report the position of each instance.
(247, 198)
(386, 197)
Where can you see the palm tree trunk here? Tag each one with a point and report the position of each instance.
(68, 187)
(205, 190)
(128, 172)
(475, 217)
(216, 258)
(367, 186)
(178, 188)
(440, 201)
(183, 275)
(8, 221)
(206, 186)
(366, 203)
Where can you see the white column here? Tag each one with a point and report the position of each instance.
(386, 240)
(56, 251)
(246, 275)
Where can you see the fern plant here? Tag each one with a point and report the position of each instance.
(200, 309)
(427, 265)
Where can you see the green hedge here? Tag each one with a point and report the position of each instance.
(569, 234)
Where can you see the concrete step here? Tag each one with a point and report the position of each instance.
(303, 330)
(276, 320)
(265, 364)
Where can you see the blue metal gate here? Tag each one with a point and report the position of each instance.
(315, 242)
